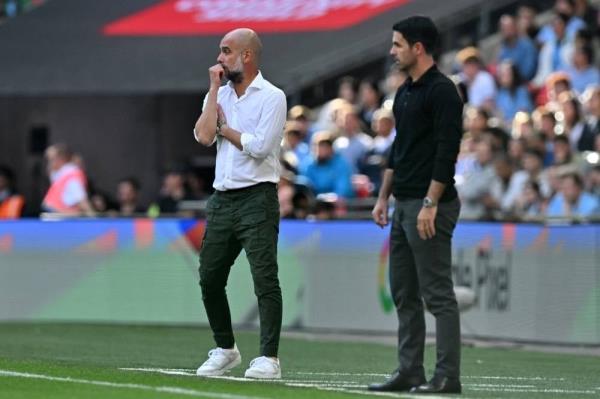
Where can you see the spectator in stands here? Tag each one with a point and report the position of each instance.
(352, 144)
(522, 126)
(556, 54)
(556, 84)
(516, 151)
(476, 122)
(347, 89)
(594, 181)
(393, 80)
(517, 49)
(285, 193)
(474, 191)
(328, 172)
(481, 87)
(195, 185)
(128, 197)
(526, 21)
(172, 192)
(532, 171)
(102, 203)
(583, 72)
(385, 132)
(512, 93)
(369, 100)
(572, 201)
(499, 186)
(572, 23)
(544, 122)
(588, 13)
(294, 150)
(302, 116)
(67, 193)
(562, 153)
(530, 203)
(11, 204)
(328, 116)
(573, 124)
(591, 101)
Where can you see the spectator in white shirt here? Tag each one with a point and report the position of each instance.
(481, 87)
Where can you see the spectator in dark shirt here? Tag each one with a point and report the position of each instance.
(128, 197)
(420, 174)
(172, 192)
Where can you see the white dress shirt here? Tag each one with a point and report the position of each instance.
(259, 115)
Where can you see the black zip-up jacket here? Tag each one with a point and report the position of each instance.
(428, 116)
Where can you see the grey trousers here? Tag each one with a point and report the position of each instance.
(421, 270)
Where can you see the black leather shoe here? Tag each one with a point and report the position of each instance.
(439, 385)
(398, 383)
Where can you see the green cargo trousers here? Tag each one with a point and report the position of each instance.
(245, 218)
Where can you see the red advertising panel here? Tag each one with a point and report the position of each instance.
(213, 17)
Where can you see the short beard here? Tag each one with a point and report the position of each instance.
(235, 76)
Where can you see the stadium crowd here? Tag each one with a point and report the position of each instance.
(531, 147)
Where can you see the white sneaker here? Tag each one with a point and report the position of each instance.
(264, 367)
(220, 361)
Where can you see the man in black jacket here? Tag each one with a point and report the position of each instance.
(420, 174)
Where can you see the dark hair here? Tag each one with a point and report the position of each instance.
(562, 139)
(536, 153)
(576, 178)
(564, 18)
(133, 181)
(588, 51)
(585, 35)
(516, 76)
(534, 186)
(419, 29)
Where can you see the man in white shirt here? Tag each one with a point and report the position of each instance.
(245, 118)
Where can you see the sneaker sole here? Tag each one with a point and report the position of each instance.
(250, 374)
(234, 363)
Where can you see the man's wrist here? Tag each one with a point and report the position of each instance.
(220, 126)
(428, 202)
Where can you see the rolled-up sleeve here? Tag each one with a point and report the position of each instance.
(269, 131)
(447, 122)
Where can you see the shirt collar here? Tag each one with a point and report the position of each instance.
(425, 77)
(258, 82)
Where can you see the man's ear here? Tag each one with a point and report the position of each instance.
(420, 49)
(247, 56)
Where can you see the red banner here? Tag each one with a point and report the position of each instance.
(213, 17)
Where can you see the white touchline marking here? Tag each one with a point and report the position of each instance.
(163, 371)
(334, 374)
(483, 377)
(538, 390)
(500, 386)
(494, 377)
(190, 373)
(163, 389)
(335, 386)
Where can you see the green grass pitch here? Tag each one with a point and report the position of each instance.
(118, 362)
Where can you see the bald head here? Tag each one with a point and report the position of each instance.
(245, 39)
